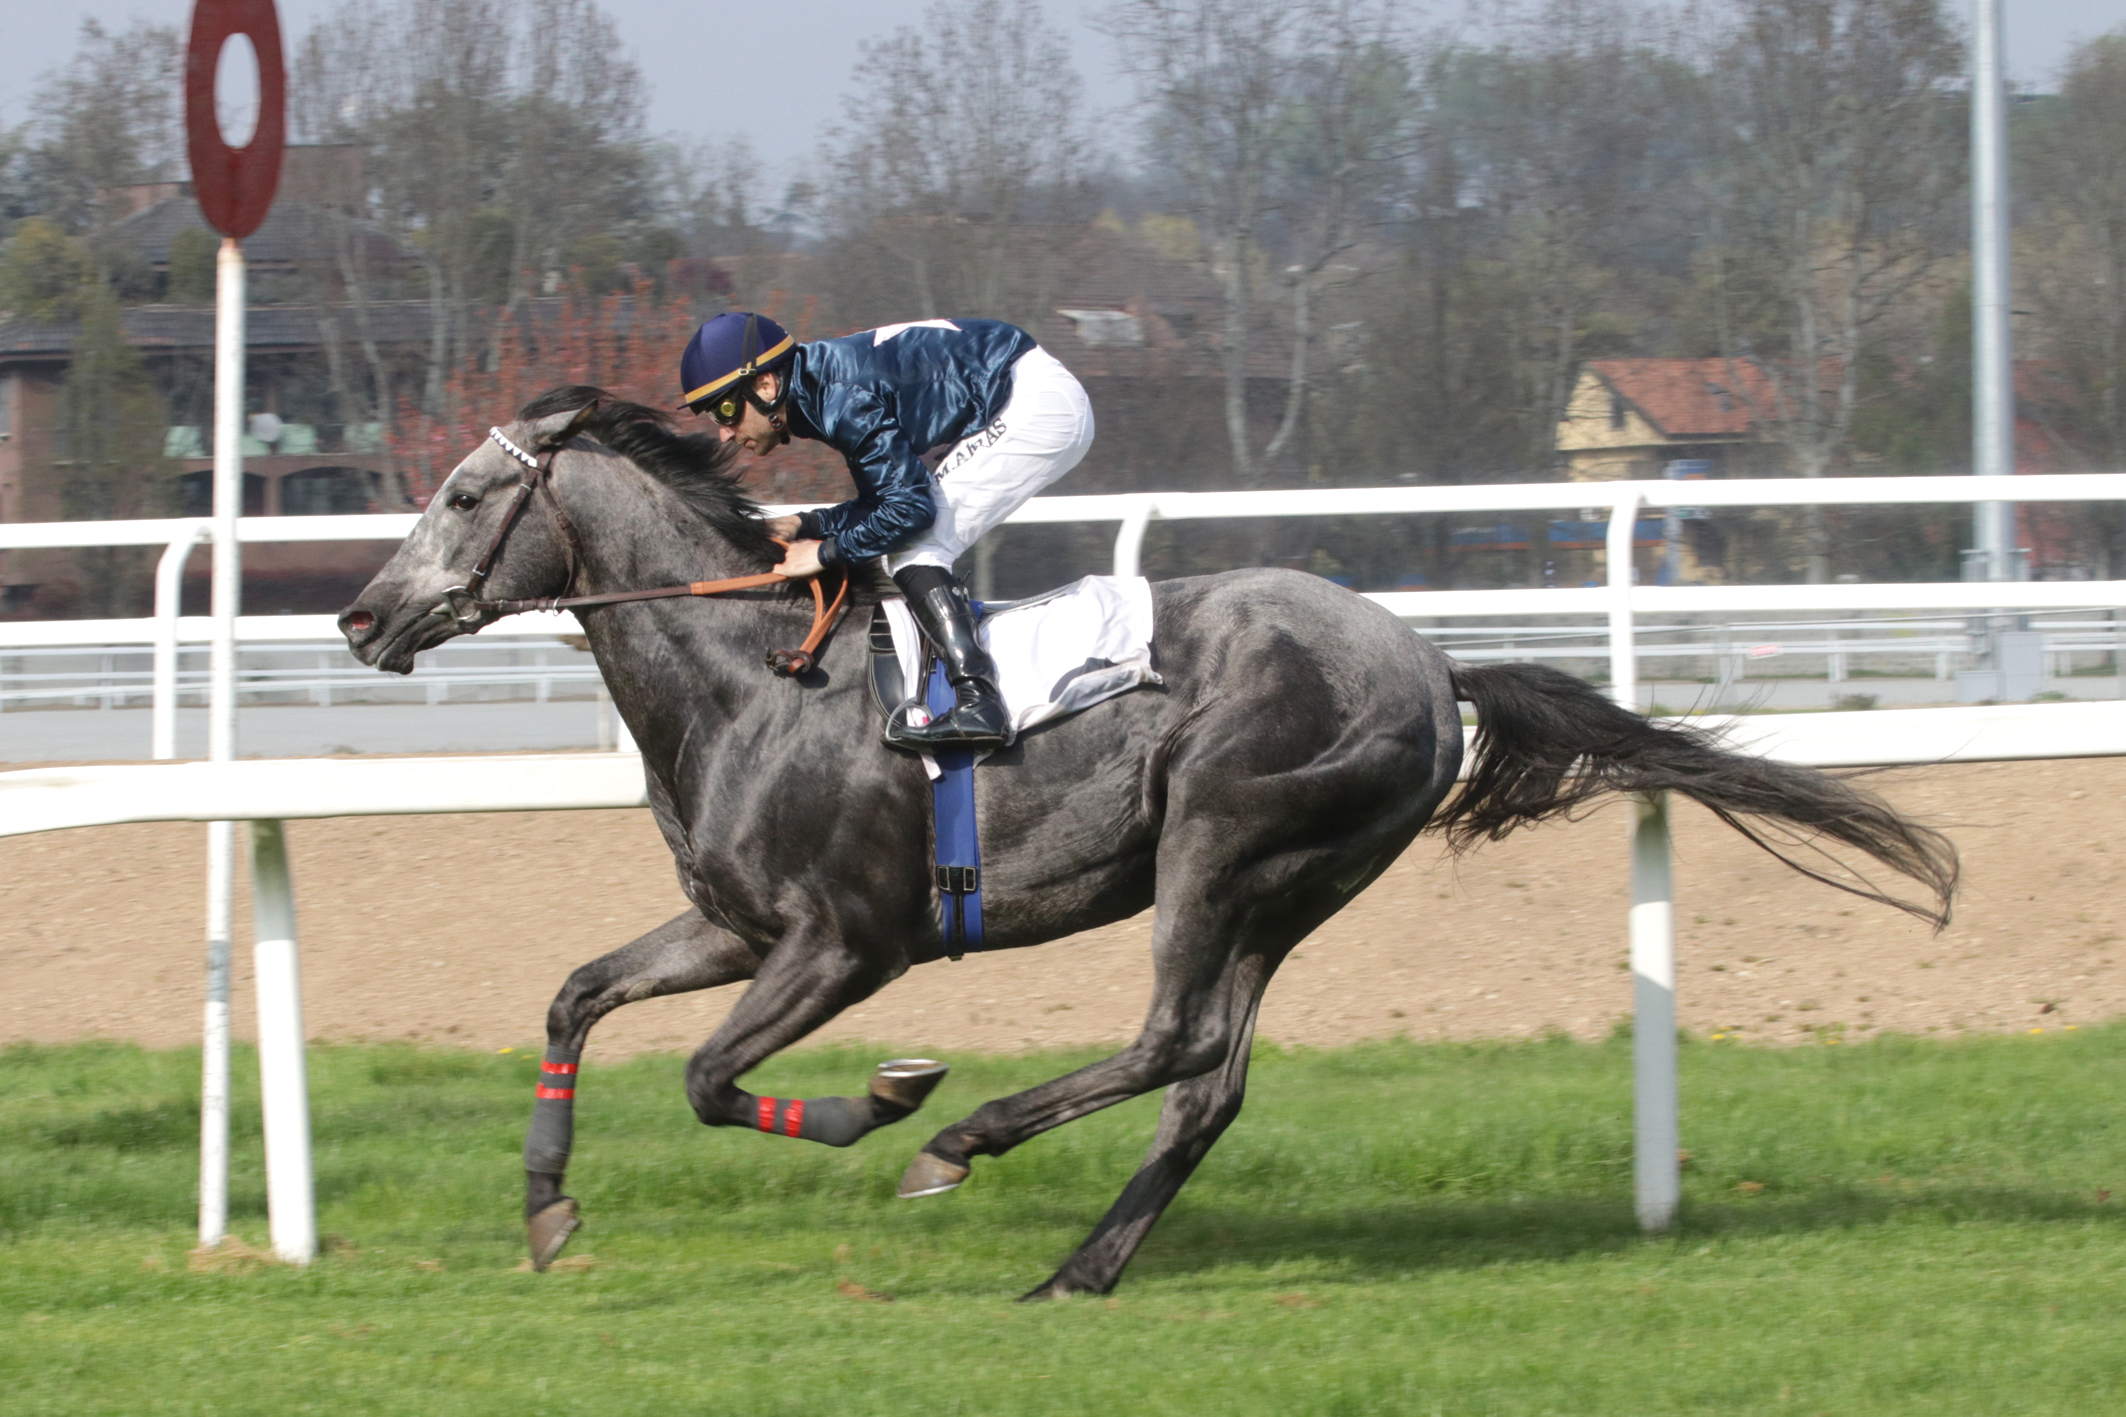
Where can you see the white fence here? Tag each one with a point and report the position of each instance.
(266, 793)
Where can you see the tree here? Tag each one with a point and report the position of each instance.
(109, 447)
(1833, 169)
(1216, 76)
(621, 343)
(2077, 175)
(1340, 143)
(43, 274)
(961, 158)
(1559, 121)
(2073, 261)
(108, 119)
(504, 139)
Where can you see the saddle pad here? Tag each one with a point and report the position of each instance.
(1056, 653)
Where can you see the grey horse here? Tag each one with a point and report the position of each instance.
(1302, 739)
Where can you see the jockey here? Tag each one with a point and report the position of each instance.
(948, 426)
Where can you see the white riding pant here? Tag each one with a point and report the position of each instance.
(1045, 429)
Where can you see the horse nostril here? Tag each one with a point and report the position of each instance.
(361, 620)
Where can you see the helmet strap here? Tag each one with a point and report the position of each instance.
(749, 350)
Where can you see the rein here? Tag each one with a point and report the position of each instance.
(463, 603)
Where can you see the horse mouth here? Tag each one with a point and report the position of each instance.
(394, 651)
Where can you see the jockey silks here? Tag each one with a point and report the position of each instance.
(883, 398)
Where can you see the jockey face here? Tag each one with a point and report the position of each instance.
(753, 428)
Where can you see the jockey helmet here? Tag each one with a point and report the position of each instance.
(717, 369)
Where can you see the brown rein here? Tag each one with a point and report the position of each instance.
(463, 604)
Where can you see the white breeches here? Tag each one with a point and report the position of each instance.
(1043, 432)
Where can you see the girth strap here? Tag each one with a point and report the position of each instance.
(958, 848)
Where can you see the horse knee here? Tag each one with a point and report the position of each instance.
(567, 1013)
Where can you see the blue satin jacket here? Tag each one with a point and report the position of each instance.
(881, 399)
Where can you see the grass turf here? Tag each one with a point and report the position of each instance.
(1896, 1227)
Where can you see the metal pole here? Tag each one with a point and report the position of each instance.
(228, 496)
(1623, 637)
(1655, 1130)
(284, 1090)
(1992, 357)
(221, 732)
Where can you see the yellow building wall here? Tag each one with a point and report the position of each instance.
(1592, 450)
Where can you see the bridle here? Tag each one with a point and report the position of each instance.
(462, 603)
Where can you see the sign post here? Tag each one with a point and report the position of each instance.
(235, 188)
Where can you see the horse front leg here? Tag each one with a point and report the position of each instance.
(679, 956)
(803, 984)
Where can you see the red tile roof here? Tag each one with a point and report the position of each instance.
(1689, 398)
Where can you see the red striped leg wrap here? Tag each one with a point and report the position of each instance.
(557, 1080)
(790, 1121)
(553, 1126)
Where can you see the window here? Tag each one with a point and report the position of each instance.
(1617, 408)
(1096, 327)
(7, 407)
(195, 492)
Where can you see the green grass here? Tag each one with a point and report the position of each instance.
(1896, 1227)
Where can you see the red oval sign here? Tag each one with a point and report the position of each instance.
(234, 185)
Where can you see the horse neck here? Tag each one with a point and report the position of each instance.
(637, 534)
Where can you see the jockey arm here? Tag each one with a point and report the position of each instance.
(893, 498)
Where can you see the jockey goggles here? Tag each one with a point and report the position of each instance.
(761, 344)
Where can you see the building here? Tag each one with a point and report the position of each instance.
(1630, 418)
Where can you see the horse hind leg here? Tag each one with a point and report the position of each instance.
(1195, 1114)
(679, 956)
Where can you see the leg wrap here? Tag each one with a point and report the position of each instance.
(553, 1124)
(834, 1121)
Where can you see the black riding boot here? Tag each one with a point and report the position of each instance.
(980, 719)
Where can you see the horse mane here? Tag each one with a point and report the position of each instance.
(695, 466)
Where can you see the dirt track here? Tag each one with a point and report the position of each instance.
(458, 930)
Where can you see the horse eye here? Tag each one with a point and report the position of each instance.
(464, 502)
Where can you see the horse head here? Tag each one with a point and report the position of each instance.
(523, 516)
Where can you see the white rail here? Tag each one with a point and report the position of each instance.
(47, 799)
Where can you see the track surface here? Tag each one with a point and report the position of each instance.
(458, 930)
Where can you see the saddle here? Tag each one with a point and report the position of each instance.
(1056, 654)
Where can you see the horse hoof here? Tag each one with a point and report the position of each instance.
(549, 1230)
(929, 1175)
(906, 1083)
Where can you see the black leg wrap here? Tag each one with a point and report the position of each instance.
(553, 1124)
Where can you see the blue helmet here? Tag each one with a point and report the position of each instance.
(722, 358)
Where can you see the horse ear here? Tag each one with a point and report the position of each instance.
(554, 430)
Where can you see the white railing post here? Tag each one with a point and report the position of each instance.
(1129, 538)
(1655, 1129)
(169, 586)
(283, 1079)
(1623, 639)
(214, 1040)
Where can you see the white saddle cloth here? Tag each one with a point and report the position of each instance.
(1056, 653)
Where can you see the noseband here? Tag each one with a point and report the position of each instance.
(462, 603)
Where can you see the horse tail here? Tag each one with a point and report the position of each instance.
(1547, 743)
